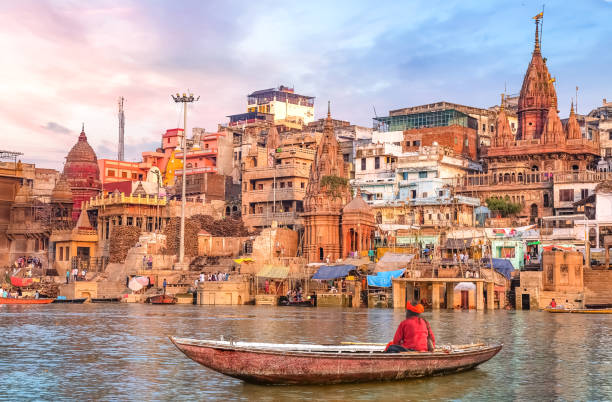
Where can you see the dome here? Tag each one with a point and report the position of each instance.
(81, 168)
(61, 192)
(357, 204)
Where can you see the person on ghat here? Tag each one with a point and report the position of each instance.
(413, 334)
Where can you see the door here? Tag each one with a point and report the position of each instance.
(525, 301)
(465, 299)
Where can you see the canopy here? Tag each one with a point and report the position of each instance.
(138, 282)
(383, 279)
(501, 265)
(465, 286)
(482, 210)
(458, 244)
(274, 272)
(16, 281)
(393, 261)
(333, 271)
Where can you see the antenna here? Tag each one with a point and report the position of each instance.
(121, 115)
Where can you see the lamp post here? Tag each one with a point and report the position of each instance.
(184, 99)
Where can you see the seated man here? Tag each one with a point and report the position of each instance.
(553, 304)
(413, 334)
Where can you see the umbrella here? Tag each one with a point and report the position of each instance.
(465, 286)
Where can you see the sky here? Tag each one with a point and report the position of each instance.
(65, 63)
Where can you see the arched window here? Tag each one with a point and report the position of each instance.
(546, 200)
(575, 167)
(513, 177)
(379, 217)
(534, 168)
(520, 177)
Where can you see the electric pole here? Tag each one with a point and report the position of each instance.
(120, 151)
(184, 99)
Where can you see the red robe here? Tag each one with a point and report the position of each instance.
(412, 334)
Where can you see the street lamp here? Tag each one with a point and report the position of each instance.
(184, 99)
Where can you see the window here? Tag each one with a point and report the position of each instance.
(417, 143)
(124, 175)
(412, 193)
(61, 253)
(405, 175)
(484, 127)
(67, 254)
(363, 164)
(377, 163)
(610, 135)
(422, 175)
(492, 128)
(110, 173)
(134, 176)
(302, 185)
(425, 194)
(345, 157)
(584, 193)
(282, 185)
(566, 195)
(260, 186)
(379, 196)
(290, 184)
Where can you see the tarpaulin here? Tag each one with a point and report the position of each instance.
(393, 261)
(333, 271)
(274, 271)
(138, 282)
(16, 281)
(241, 260)
(383, 279)
(501, 265)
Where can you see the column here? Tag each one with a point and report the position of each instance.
(490, 296)
(399, 293)
(479, 295)
(435, 295)
(450, 295)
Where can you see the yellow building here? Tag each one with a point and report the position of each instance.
(74, 248)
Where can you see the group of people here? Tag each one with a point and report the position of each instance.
(29, 261)
(295, 295)
(461, 259)
(219, 276)
(566, 306)
(147, 262)
(8, 294)
(74, 275)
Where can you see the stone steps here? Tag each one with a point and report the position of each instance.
(598, 287)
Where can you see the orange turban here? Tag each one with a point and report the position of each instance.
(415, 309)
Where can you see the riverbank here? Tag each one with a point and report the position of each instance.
(121, 352)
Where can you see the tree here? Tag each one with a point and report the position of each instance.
(503, 206)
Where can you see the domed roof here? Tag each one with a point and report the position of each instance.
(82, 151)
(61, 192)
(24, 195)
(81, 168)
(357, 204)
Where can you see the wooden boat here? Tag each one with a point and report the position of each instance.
(79, 301)
(10, 300)
(301, 303)
(265, 363)
(106, 300)
(162, 299)
(580, 310)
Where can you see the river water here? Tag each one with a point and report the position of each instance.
(121, 352)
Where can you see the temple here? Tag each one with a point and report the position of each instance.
(525, 168)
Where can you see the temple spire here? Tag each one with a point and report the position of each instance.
(572, 108)
(329, 109)
(501, 107)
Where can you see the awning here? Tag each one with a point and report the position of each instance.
(458, 244)
(333, 271)
(383, 279)
(393, 261)
(274, 272)
(533, 243)
(501, 265)
(19, 282)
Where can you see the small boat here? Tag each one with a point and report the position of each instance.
(10, 300)
(580, 310)
(76, 301)
(301, 303)
(106, 300)
(267, 363)
(162, 299)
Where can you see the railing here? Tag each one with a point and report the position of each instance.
(280, 194)
(280, 171)
(266, 219)
(121, 198)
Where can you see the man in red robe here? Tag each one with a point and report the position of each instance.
(413, 334)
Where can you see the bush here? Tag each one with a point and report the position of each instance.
(503, 206)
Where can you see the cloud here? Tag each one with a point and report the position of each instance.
(56, 128)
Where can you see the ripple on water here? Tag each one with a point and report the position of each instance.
(121, 352)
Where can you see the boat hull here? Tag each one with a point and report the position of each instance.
(74, 301)
(303, 367)
(580, 311)
(106, 300)
(6, 300)
(162, 299)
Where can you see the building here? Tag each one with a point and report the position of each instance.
(274, 180)
(82, 173)
(358, 228)
(326, 194)
(112, 171)
(523, 167)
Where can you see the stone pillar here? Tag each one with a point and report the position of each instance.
(479, 295)
(435, 295)
(450, 295)
(399, 293)
(490, 296)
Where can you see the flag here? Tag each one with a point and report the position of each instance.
(541, 15)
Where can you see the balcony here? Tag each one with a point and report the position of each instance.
(281, 194)
(263, 220)
(280, 171)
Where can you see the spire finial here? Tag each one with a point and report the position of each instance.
(537, 35)
(501, 108)
(83, 127)
(329, 109)
(572, 108)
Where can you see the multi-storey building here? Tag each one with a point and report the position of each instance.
(274, 181)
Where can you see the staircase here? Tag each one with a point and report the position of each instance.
(597, 286)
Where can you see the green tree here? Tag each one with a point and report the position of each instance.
(503, 206)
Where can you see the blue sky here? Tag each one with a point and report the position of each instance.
(70, 60)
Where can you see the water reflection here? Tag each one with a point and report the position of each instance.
(122, 352)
